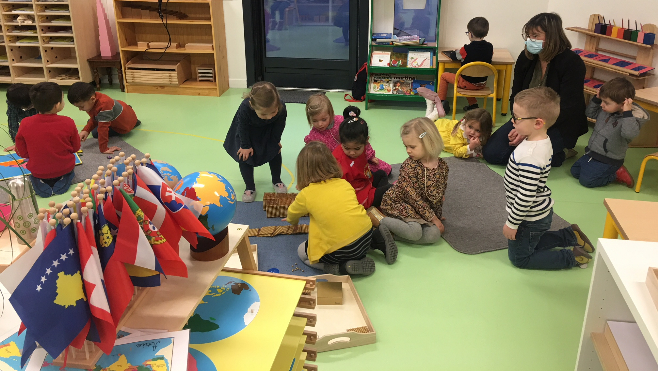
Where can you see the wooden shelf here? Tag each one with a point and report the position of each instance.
(170, 50)
(55, 13)
(33, 62)
(5, 79)
(64, 63)
(56, 24)
(591, 33)
(604, 351)
(615, 69)
(403, 70)
(31, 77)
(425, 46)
(399, 97)
(59, 45)
(170, 21)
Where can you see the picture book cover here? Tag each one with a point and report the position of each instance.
(381, 84)
(421, 84)
(398, 59)
(380, 58)
(419, 59)
(402, 85)
(12, 165)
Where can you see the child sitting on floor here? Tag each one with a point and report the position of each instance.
(369, 186)
(325, 126)
(49, 141)
(19, 106)
(340, 232)
(618, 122)
(413, 204)
(465, 138)
(108, 117)
(529, 204)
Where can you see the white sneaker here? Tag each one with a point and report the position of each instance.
(430, 107)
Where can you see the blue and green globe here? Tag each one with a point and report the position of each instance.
(169, 173)
(215, 194)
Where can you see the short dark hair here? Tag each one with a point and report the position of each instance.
(353, 128)
(80, 92)
(19, 95)
(617, 90)
(478, 26)
(45, 95)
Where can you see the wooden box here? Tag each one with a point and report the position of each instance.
(652, 284)
(198, 46)
(162, 45)
(170, 70)
(142, 44)
(330, 293)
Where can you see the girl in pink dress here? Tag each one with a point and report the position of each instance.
(319, 113)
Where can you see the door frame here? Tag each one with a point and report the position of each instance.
(254, 21)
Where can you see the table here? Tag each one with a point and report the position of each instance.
(647, 98)
(633, 220)
(106, 62)
(502, 60)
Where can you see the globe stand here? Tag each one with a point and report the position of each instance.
(209, 250)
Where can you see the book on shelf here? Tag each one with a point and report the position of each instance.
(380, 83)
(402, 85)
(380, 58)
(24, 31)
(57, 9)
(61, 40)
(382, 35)
(421, 84)
(398, 59)
(419, 59)
(28, 40)
(61, 20)
(23, 10)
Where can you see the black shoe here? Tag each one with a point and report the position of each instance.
(138, 123)
(382, 240)
(446, 106)
(472, 106)
(362, 267)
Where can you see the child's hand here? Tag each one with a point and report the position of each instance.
(83, 135)
(375, 160)
(475, 143)
(628, 104)
(280, 147)
(597, 93)
(440, 225)
(243, 154)
(10, 148)
(111, 150)
(509, 233)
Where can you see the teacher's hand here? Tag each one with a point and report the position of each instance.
(243, 154)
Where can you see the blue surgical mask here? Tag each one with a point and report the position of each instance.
(534, 46)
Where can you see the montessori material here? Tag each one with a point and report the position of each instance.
(12, 165)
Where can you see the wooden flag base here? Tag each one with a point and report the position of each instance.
(209, 250)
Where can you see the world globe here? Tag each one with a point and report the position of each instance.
(228, 307)
(169, 173)
(215, 194)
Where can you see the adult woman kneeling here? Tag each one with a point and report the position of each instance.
(547, 60)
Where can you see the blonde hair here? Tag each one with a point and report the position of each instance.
(263, 94)
(429, 135)
(540, 102)
(317, 104)
(315, 163)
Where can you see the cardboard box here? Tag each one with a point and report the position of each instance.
(330, 293)
(142, 44)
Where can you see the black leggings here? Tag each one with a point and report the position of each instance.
(247, 172)
(380, 182)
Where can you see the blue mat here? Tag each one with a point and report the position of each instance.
(278, 252)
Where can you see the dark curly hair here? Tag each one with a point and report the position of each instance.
(353, 128)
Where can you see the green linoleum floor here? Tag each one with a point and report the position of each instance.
(435, 308)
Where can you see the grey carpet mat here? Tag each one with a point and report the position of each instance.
(295, 96)
(92, 157)
(475, 207)
(279, 252)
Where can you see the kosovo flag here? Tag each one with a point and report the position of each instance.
(51, 299)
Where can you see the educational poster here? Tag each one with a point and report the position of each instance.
(12, 165)
(11, 348)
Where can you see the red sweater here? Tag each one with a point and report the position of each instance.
(109, 113)
(49, 142)
(357, 172)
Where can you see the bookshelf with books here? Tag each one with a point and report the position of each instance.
(47, 41)
(403, 58)
(159, 59)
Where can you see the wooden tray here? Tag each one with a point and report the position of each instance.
(170, 70)
(652, 284)
(342, 326)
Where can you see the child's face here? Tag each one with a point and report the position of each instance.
(414, 146)
(472, 129)
(321, 121)
(523, 123)
(267, 113)
(353, 149)
(610, 106)
(86, 105)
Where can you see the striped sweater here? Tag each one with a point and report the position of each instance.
(528, 197)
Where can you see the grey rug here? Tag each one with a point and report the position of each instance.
(475, 207)
(92, 157)
(295, 96)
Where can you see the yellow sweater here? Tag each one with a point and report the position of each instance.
(337, 218)
(455, 143)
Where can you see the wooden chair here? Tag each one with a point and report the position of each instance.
(652, 156)
(476, 69)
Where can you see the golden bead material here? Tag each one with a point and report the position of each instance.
(51, 203)
(67, 221)
(52, 222)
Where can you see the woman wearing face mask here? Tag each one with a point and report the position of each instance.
(547, 60)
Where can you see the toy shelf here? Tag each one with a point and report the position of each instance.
(28, 61)
(198, 22)
(397, 97)
(605, 37)
(403, 70)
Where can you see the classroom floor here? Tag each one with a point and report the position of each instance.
(435, 308)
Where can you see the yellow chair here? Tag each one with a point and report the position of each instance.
(652, 156)
(476, 69)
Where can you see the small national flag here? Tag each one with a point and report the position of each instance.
(157, 213)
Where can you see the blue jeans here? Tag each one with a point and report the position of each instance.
(48, 187)
(497, 149)
(592, 173)
(533, 246)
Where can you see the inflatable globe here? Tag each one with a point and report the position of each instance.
(169, 173)
(215, 194)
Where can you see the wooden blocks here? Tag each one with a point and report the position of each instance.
(170, 70)
(276, 204)
(330, 293)
(277, 230)
(200, 46)
(204, 72)
(652, 284)
(162, 45)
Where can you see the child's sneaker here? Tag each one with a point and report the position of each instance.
(280, 188)
(363, 267)
(331, 269)
(582, 239)
(581, 256)
(382, 240)
(624, 177)
(248, 196)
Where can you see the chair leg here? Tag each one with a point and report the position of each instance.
(641, 175)
(454, 106)
(484, 105)
(493, 103)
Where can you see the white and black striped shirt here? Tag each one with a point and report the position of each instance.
(528, 197)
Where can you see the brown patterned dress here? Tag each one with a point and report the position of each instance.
(418, 193)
